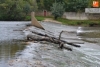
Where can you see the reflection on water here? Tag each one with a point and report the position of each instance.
(8, 32)
(9, 50)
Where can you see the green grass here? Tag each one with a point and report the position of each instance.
(69, 22)
(79, 22)
(39, 18)
(27, 18)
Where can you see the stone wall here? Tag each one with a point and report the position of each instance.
(92, 13)
(76, 16)
(41, 13)
(92, 10)
(82, 16)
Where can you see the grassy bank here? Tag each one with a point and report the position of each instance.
(79, 22)
(70, 22)
(39, 18)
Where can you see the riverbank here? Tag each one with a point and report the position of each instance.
(85, 23)
(64, 21)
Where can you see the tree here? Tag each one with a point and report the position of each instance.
(27, 8)
(33, 5)
(76, 5)
(40, 4)
(48, 4)
(61, 1)
(16, 9)
(57, 10)
(45, 4)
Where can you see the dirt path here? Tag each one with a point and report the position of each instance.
(51, 20)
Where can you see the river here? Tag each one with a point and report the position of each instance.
(10, 31)
(86, 56)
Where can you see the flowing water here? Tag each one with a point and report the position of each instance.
(86, 56)
(89, 34)
(9, 48)
(89, 53)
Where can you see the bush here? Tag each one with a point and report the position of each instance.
(57, 10)
(28, 18)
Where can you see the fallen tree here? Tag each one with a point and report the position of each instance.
(36, 36)
(38, 33)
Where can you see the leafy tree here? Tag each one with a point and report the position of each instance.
(40, 4)
(57, 10)
(33, 5)
(62, 1)
(27, 8)
(16, 9)
(45, 4)
(76, 5)
(48, 4)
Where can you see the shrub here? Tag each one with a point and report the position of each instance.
(57, 10)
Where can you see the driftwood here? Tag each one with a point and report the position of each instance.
(37, 36)
(49, 39)
(58, 40)
(43, 37)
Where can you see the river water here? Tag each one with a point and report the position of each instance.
(86, 56)
(89, 53)
(9, 47)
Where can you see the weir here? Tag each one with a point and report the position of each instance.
(92, 13)
(35, 22)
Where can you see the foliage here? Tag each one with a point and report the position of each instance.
(70, 5)
(48, 4)
(57, 10)
(27, 18)
(40, 18)
(76, 5)
(45, 4)
(16, 9)
(61, 1)
(26, 8)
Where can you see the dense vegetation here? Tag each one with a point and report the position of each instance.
(16, 9)
(57, 10)
(20, 9)
(76, 5)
